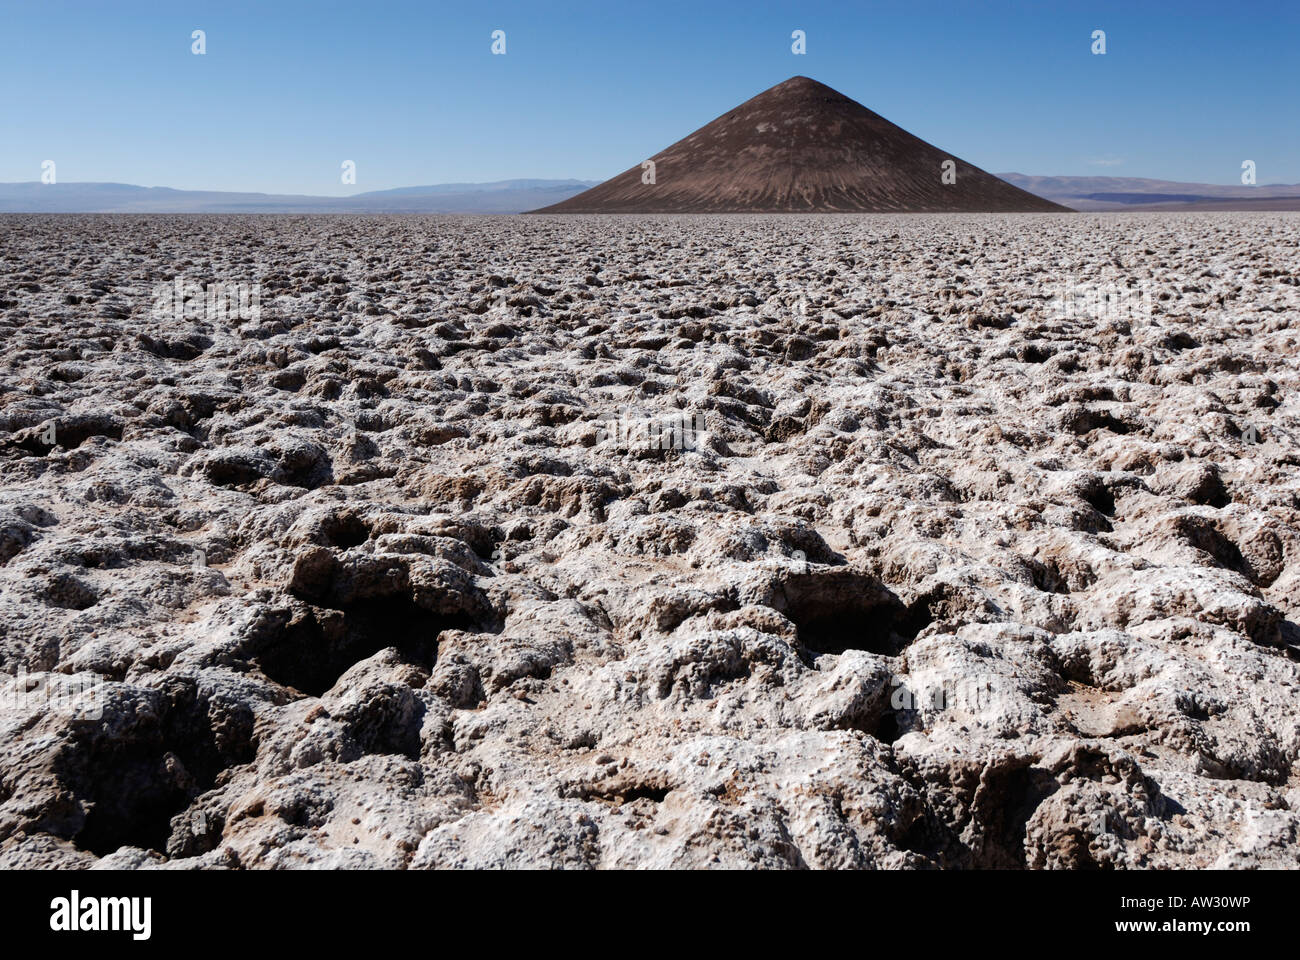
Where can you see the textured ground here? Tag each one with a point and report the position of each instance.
(955, 576)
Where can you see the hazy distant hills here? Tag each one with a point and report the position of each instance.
(1134, 193)
(503, 196)
(516, 196)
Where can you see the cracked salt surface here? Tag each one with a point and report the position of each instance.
(969, 558)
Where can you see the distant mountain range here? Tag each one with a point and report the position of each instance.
(503, 196)
(516, 196)
(1133, 193)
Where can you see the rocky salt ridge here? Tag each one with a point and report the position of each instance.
(948, 579)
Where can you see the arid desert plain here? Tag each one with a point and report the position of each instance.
(832, 541)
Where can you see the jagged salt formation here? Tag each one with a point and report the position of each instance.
(957, 573)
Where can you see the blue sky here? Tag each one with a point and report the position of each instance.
(413, 95)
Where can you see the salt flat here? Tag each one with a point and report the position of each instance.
(831, 541)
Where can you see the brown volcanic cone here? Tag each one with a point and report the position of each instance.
(802, 147)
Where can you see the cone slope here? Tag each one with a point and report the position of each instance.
(801, 147)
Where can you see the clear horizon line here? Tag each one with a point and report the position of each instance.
(590, 181)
